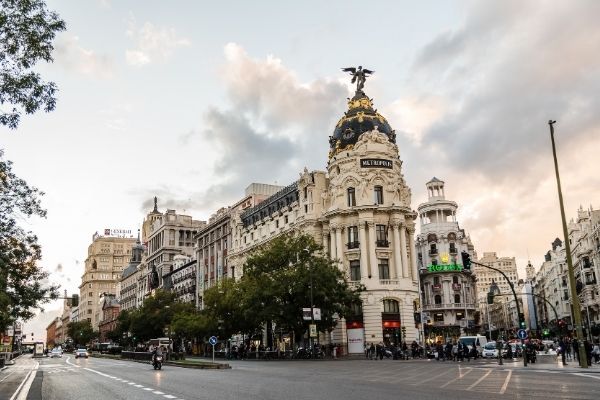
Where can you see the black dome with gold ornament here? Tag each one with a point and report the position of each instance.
(361, 117)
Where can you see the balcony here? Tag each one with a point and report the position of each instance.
(386, 282)
(382, 243)
(437, 287)
(353, 245)
(456, 286)
(448, 306)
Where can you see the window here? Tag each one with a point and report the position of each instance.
(455, 279)
(432, 249)
(355, 270)
(437, 299)
(438, 317)
(452, 248)
(381, 234)
(378, 195)
(384, 268)
(353, 237)
(457, 298)
(391, 306)
(436, 280)
(351, 197)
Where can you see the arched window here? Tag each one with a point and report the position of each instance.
(457, 298)
(437, 299)
(391, 306)
(351, 197)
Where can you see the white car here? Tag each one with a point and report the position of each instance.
(81, 353)
(489, 350)
(56, 353)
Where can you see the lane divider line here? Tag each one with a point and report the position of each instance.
(479, 380)
(506, 382)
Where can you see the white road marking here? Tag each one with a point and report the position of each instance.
(479, 380)
(131, 383)
(70, 363)
(139, 386)
(6, 377)
(169, 396)
(460, 376)
(23, 389)
(148, 389)
(587, 375)
(157, 392)
(506, 382)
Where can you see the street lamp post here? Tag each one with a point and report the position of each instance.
(312, 315)
(575, 298)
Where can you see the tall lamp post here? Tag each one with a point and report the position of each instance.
(312, 315)
(575, 298)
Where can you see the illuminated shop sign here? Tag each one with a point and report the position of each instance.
(444, 267)
(375, 163)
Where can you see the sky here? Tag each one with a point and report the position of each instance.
(191, 101)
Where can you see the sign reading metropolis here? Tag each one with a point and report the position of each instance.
(375, 163)
(444, 267)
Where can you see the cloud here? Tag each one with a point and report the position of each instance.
(152, 43)
(71, 55)
(481, 95)
(268, 131)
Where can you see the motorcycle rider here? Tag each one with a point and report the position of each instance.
(156, 352)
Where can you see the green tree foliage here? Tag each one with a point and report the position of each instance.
(27, 29)
(191, 325)
(157, 312)
(23, 284)
(81, 332)
(276, 286)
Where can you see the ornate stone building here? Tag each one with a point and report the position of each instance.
(449, 301)
(359, 210)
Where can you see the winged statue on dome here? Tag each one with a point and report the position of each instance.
(359, 75)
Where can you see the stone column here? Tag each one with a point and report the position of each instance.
(413, 259)
(364, 250)
(403, 253)
(396, 244)
(333, 253)
(325, 237)
(373, 272)
(340, 246)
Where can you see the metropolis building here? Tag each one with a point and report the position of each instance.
(448, 291)
(359, 211)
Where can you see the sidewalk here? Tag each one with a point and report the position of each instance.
(556, 366)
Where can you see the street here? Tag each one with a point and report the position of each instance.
(66, 378)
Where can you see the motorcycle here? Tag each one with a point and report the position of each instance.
(157, 362)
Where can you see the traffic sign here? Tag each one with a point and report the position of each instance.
(212, 340)
(522, 334)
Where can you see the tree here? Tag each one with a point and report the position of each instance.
(27, 30)
(191, 325)
(150, 320)
(81, 332)
(23, 284)
(280, 275)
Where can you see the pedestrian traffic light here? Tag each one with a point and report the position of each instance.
(417, 317)
(466, 260)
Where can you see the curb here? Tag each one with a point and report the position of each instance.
(172, 364)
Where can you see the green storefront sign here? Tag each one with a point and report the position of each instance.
(444, 267)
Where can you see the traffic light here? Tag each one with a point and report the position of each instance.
(75, 300)
(490, 298)
(417, 317)
(466, 260)
(522, 321)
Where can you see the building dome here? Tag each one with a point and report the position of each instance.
(361, 117)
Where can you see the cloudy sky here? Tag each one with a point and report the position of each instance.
(192, 101)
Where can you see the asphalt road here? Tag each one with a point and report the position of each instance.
(103, 379)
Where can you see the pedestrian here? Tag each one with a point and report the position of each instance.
(381, 350)
(367, 351)
(466, 352)
(596, 352)
(371, 351)
(440, 351)
(562, 348)
(575, 349)
(588, 351)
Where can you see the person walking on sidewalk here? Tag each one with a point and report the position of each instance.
(563, 345)
(596, 353)
(575, 349)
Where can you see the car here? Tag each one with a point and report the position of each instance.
(489, 350)
(81, 353)
(56, 353)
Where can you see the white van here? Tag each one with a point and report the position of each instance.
(478, 341)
